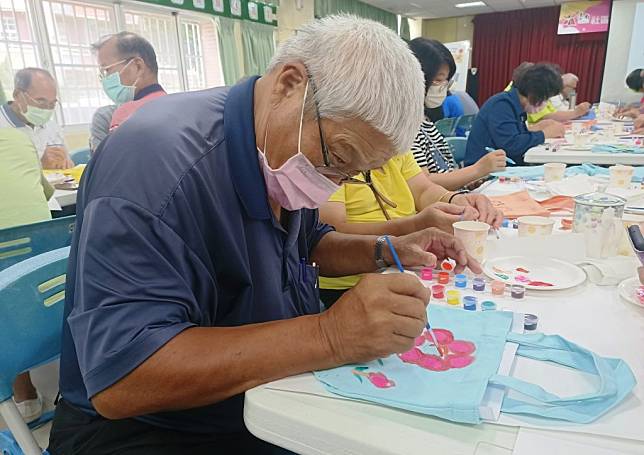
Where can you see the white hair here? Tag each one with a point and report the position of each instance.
(569, 78)
(361, 69)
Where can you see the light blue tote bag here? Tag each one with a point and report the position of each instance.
(453, 386)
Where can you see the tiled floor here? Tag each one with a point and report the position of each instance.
(45, 378)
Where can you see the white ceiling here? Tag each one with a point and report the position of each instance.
(445, 8)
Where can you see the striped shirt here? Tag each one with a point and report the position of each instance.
(431, 150)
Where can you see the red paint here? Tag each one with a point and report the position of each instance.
(522, 270)
(539, 283)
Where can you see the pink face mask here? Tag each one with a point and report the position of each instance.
(296, 184)
(533, 109)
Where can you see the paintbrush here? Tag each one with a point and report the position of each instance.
(394, 255)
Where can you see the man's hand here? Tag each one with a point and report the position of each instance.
(56, 157)
(442, 216)
(487, 212)
(582, 109)
(381, 315)
(426, 247)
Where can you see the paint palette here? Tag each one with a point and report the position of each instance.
(628, 290)
(540, 274)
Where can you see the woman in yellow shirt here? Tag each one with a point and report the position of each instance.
(397, 199)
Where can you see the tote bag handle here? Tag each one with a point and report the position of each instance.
(616, 380)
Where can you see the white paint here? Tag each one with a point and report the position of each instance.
(622, 40)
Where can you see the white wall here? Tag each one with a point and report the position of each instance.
(620, 40)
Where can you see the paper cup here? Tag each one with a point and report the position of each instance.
(531, 226)
(473, 234)
(620, 176)
(553, 172)
(618, 128)
(581, 140)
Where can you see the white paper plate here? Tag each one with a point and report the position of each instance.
(627, 290)
(561, 274)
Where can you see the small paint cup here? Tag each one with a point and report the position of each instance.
(443, 277)
(531, 226)
(438, 291)
(478, 284)
(488, 305)
(427, 274)
(473, 234)
(620, 176)
(517, 291)
(460, 281)
(530, 322)
(469, 303)
(453, 297)
(498, 287)
(553, 172)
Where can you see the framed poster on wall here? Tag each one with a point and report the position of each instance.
(584, 17)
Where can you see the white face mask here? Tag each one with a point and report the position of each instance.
(296, 184)
(436, 95)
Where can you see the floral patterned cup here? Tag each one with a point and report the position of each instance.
(530, 226)
(620, 176)
(473, 234)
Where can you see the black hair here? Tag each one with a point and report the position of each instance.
(635, 79)
(130, 45)
(539, 82)
(432, 55)
(22, 79)
(518, 71)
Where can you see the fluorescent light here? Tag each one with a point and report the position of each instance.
(469, 4)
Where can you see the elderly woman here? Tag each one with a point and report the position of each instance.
(430, 148)
(501, 123)
(192, 274)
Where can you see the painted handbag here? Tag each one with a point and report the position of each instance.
(453, 385)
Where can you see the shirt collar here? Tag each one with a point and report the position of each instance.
(239, 129)
(145, 91)
(12, 116)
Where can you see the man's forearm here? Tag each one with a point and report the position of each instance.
(204, 365)
(341, 254)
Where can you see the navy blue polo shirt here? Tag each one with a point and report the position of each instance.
(174, 230)
(500, 124)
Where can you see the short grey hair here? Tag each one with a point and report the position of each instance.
(22, 79)
(569, 77)
(130, 44)
(361, 69)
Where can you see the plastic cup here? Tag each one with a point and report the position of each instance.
(620, 176)
(531, 226)
(473, 234)
(553, 172)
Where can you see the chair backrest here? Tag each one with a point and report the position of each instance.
(80, 156)
(465, 122)
(446, 126)
(22, 242)
(32, 296)
(458, 146)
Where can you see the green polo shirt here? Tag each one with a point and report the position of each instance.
(22, 186)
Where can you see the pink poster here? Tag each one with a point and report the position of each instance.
(584, 17)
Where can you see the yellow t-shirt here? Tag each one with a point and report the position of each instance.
(361, 205)
(22, 196)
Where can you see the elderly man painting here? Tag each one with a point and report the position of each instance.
(191, 275)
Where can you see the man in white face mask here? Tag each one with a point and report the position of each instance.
(32, 111)
(193, 273)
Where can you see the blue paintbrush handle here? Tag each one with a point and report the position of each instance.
(394, 254)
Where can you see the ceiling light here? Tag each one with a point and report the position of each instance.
(469, 4)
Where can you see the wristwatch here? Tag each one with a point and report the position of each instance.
(380, 260)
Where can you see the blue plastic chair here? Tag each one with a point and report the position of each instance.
(465, 122)
(446, 126)
(22, 242)
(80, 156)
(458, 146)
(32, 296)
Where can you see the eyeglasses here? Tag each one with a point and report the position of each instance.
(331, 171)
(42, 103)
(103, 70)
